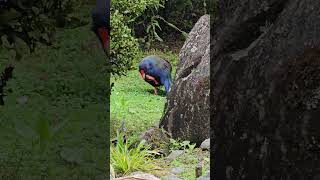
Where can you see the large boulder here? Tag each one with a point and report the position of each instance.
(187, 111)
(266, 89)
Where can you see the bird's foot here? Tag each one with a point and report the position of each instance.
(155, 91)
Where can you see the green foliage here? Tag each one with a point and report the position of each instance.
(42, 129)
(58, 132)
(175, 19)
(33, 21)
(40, 133)
(178, 144)
(151, 30)
(142, 108)
(124, 47)
(185, 12)
(125, 160)
(189, 161)
(24, 24)
(152, 26)
(133, 9)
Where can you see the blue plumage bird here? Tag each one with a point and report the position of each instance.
(101, 22)
(156, 71)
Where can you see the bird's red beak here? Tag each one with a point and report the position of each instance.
(104, 36)
(143, 75)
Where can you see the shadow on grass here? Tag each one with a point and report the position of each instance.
(161, 92)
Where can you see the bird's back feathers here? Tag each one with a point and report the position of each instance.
(158, 68)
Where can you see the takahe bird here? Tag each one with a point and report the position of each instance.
(101, 22)
(156, 71)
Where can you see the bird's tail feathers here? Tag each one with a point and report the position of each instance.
(167, 85)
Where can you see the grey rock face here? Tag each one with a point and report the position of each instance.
(266, 86)
(140, 176)
(177, 170)
(155, 137)
(187, 110)
(170, 178)
(205, 144)
(174, 154)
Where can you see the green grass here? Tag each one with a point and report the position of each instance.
(66, 88)
(132, 99)
(188, 162)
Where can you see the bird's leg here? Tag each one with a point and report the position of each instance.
(152, 79)
(155, 91)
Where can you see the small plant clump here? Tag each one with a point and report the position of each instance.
(181, 145)
(125, 159)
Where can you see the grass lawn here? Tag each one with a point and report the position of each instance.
(60, 131)
(132, 99)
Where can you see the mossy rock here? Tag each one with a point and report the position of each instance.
(157, 139)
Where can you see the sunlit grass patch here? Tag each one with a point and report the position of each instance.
(133, 101)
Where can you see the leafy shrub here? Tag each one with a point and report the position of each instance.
(24, 24)
(176, 18)
(124, 46)
(151, 23)
(33, 21)
(185, 13)
(134, 9)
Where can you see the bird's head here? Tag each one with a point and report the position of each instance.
(142, 73)
(101, 22)
(103, 35)
(144, 67)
